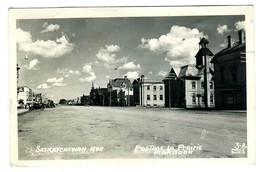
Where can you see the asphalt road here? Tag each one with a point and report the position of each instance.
(73, 132)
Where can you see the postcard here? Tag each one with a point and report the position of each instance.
(126, 84)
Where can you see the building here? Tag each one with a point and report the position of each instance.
(173, 92)
(84, 100)
(123, 89)
(25, 96)
(230, 75)
(191, 83)
(149, 92)
(192, 86)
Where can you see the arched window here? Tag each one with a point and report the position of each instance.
(193, 85)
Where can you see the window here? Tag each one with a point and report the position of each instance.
(154, 88)
(155, 97)
(161, 87)
(193, 85)
(211, 85)
(148, 87)
(194, 99)
(148, 97)
(202, 85)
(160, 97)
(211, 98)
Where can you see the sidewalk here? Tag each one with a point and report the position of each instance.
(22, 111)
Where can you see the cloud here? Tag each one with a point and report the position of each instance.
(23, 36)
(108, 57)
(55, 80)
(180, 45)
(150, 72)
(48, 49)
(49, 27)
(240, 25)
(132, 75)
(129, 66)
(43, 86)
(58, 84)
(32, 65)
(162, 73)
(221, 29)
(66, 71)
(88, 79)
(87, 68)
(67, 75)
(107, 76)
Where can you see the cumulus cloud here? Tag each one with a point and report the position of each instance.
(180, 45)
(23, 36)
(129, 66)
(87, 68)
(107, 76)
(49, 48)
(49, 27)
(58, 84)
(108, 57)
(32, 65)
(240, 25)
(162, 73)
(150, 72)
(132, 75)
(88, 79)
(43, 86)
(55, 80)
(221, 29)
(67, 71)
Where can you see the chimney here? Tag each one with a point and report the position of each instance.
(125, 76)
(241, 36)
(229, 38)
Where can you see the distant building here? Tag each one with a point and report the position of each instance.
(153, 93)
(230, 75)
(149, 92)
(25, 96)
(123, 89)
(84, 100)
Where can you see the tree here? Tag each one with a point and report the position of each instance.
(62, 101)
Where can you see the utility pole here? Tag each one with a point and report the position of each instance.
(169, 93)
(141, 98)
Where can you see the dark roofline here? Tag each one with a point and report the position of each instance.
(228, 51)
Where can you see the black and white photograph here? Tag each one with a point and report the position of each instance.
(132, 83)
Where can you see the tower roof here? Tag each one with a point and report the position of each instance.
(203, 41)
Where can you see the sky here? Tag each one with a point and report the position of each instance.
(62, 58)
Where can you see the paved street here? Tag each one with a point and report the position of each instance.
(77, 132)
